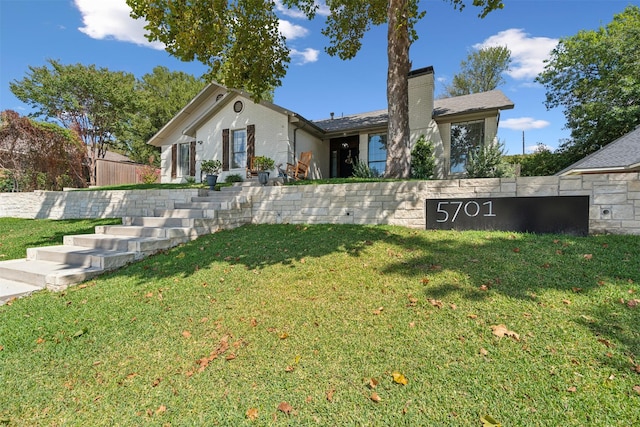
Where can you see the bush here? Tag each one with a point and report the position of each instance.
(236, 177)
(362, 170)
(487, 162)
(423, 161)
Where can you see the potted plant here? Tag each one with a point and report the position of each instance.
(264, 165)
(212, 169)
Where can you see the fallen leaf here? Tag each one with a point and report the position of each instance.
(156, 382)
(330, 394)
(516, 250)
(285, 407)
(231, 356)
(40, 340)
(587, 256)
(484, 288)
(289, 369)
(484, 352)
(373, 383)
(252, 413)
(284, 336)
(453, 306)
(636, 388)
(489, 421)
(254, 322)
(472, 316)
(632, 303)
(572, 389)
(425, 281)
(374, 396)
(399, 378)
(436, 303)
(566, 302)
(161, 410)
(606, 342)
(502, 331)
(576, 290)
(378, 311)
(186, 334)
(1, 347)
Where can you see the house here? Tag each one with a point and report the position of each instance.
(225, 124)
(619, 156)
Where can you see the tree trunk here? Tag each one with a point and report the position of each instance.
(398, 154)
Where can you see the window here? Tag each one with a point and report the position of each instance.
(464, 138)
(239, 149)
(377, 153)
(183, 159)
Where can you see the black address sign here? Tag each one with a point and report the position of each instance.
(555, 214)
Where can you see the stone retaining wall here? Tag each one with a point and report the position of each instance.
(91, 204)
(614, 200)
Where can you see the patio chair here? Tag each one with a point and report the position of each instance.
(301, 169)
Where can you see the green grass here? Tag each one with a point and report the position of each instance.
(16, 235)
(311, 312)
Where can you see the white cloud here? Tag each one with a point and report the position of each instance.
(304, 56)
(527, 53)
(322, 10)
(109, 19)
(291, 31)
(538, 147)
(523, 123)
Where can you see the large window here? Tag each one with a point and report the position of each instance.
(183, 159)
(239, 149)
(377, 153)
(465, 137)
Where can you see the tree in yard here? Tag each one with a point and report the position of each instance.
(240, 42)
(160, 95)
(595, 77)
(37, 155)
(95, 103)
(480, 72)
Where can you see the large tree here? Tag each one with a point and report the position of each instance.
(240, 42)
(480, 72)
(595, 77)
(160, 95)
(93, 102)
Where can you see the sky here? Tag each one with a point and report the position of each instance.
(100, 32)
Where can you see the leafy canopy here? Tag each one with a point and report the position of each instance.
(480, 72)
(595, 77)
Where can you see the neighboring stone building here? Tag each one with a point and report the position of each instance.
(225, 124)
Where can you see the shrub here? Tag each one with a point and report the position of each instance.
(263, 163)
(423, 161)
(487, 162)
(236, 177)
(362, 170)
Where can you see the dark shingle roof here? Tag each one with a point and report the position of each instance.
(492, 100)
(621, 154)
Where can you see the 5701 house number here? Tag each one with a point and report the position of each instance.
(470, 209)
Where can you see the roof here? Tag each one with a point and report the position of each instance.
(621, 155)
(477, 102)
(465, 104)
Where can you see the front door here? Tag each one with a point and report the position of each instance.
(344, 155)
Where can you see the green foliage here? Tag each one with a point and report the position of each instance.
(594, 77)
(486, 162)
(423, 161)
(211, 167)
(362, 170)
(481, 72)
(160, 95)
(310, 314)
(263, 163)
(542, 162)
(235, 177)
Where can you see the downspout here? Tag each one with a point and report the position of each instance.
(295, 139)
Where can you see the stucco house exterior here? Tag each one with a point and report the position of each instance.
(225, 124)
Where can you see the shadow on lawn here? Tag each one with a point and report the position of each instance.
(518, 266)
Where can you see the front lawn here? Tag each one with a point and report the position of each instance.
(337, 325)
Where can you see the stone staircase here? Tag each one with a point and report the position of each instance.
(82, 257)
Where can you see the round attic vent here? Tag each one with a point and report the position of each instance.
(237, 106)
(219, 97)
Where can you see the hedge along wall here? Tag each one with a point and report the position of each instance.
(614, 200)
(90, 204)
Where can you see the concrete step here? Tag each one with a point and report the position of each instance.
(46, 274)
(180, 213)
(141, 245)
(81, 256)
(202, 204)
(10, 289)
(132, 230)
(153, 221)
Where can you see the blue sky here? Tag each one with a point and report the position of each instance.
(100, 32)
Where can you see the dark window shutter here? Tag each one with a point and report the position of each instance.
(225, 149)
(251, 143)
(192, 158)
(174, 160)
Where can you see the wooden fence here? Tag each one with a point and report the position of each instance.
(116, 173)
